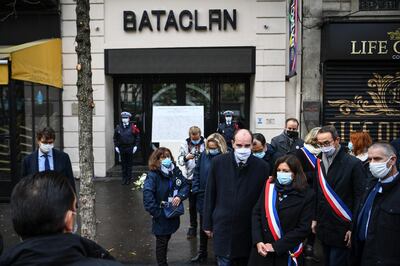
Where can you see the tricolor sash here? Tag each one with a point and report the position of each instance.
(310, 157)
(337, 205)
(274, 223)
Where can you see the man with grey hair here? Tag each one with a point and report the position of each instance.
(376, 225)
(340, 184)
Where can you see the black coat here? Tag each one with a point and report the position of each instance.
(381, 246)
(281, 145)
(62, 165)
(125, 138)
(396, 145)
(295, 215)
(157, 188)
(308, 168)
(346, 176)
(231, 193)
(59, 249)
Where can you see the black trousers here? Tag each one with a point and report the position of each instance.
(126, 164)
(192, 207)
(161, 249)
(203, 238)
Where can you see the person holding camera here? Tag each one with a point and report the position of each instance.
(189, 154)
(164, 190)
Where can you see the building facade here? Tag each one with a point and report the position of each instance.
(223, 55)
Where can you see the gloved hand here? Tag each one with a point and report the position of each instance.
(117, 149)
(134, 150)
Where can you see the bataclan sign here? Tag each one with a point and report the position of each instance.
(186, 20)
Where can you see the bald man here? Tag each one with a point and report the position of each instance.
(234, 184)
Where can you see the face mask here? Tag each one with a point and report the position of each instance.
(228, 119)
(284, 178)
(350, 146)
(125, 121)
(259, 154)
(166, 162)
(292, 134)
(329, 151)
(213, 151)
(45, 148)
(380, 170)
(195, 142)
(242, 154)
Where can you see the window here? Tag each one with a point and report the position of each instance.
(371, 5)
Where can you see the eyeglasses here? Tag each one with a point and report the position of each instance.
(325, 144)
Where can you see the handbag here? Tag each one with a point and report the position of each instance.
(171, 211)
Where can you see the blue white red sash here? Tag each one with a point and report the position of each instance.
(337, 205)
(310, 157)
(274, 223)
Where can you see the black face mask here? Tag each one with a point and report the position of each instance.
(292, 134)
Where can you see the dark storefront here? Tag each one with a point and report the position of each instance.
(30, 82)
(216, 78)
(361, 71)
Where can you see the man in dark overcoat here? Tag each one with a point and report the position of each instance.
(376, 230)
(234, 184)
(346, 176)
(288, 141)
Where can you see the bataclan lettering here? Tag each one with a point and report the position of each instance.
(186, 20)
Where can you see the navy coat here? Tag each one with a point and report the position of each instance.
(200, 177)
(156, 189)
(62, 165)
(231, 193)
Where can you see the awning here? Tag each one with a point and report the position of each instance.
(37, 62)
(3, 72)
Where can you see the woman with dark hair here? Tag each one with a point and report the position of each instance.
(262, 149)
(164, 185)
(282, 217)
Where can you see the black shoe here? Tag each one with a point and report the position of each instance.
(309, 253)
(200, 257)
(192, 232)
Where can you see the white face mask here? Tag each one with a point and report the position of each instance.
(242, 154)
(125, 121)
(329, 151)
(380, 170)
(284, 178)
(228, 119)
(45, 148)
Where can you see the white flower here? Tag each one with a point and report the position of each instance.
(140, 182)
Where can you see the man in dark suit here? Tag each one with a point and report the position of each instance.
(288, 141)
(47, 158)
(234, 184)
(344, 177)
(376, 226)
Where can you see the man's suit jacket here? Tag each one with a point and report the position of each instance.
(62, 164)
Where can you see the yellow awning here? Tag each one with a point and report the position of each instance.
(38, 62)
(3, 74)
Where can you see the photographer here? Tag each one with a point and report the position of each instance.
(188, 156)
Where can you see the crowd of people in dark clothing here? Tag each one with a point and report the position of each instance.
(260, 203)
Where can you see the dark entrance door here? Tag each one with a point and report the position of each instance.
(216, 94)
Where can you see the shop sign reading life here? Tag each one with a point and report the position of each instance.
(186, 20)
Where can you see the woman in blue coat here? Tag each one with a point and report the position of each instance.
(215, 145)
(164, 184)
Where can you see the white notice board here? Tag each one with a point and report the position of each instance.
(172, 123)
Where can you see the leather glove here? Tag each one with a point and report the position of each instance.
(134, 150)
(117, 149)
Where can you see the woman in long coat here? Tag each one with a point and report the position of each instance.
(282, 216)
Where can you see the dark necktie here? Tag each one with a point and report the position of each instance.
(46, 162)
(365, 213)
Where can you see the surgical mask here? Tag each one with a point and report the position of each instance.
(242, 154)
(284, 178)
(292, 134)
(195, 142)
(259, 154)
(329, 151)
(125, 121)
(167, 162)
(213, 151)
(350, 146)
(380, 170)
(228, 119)
(45, 148)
